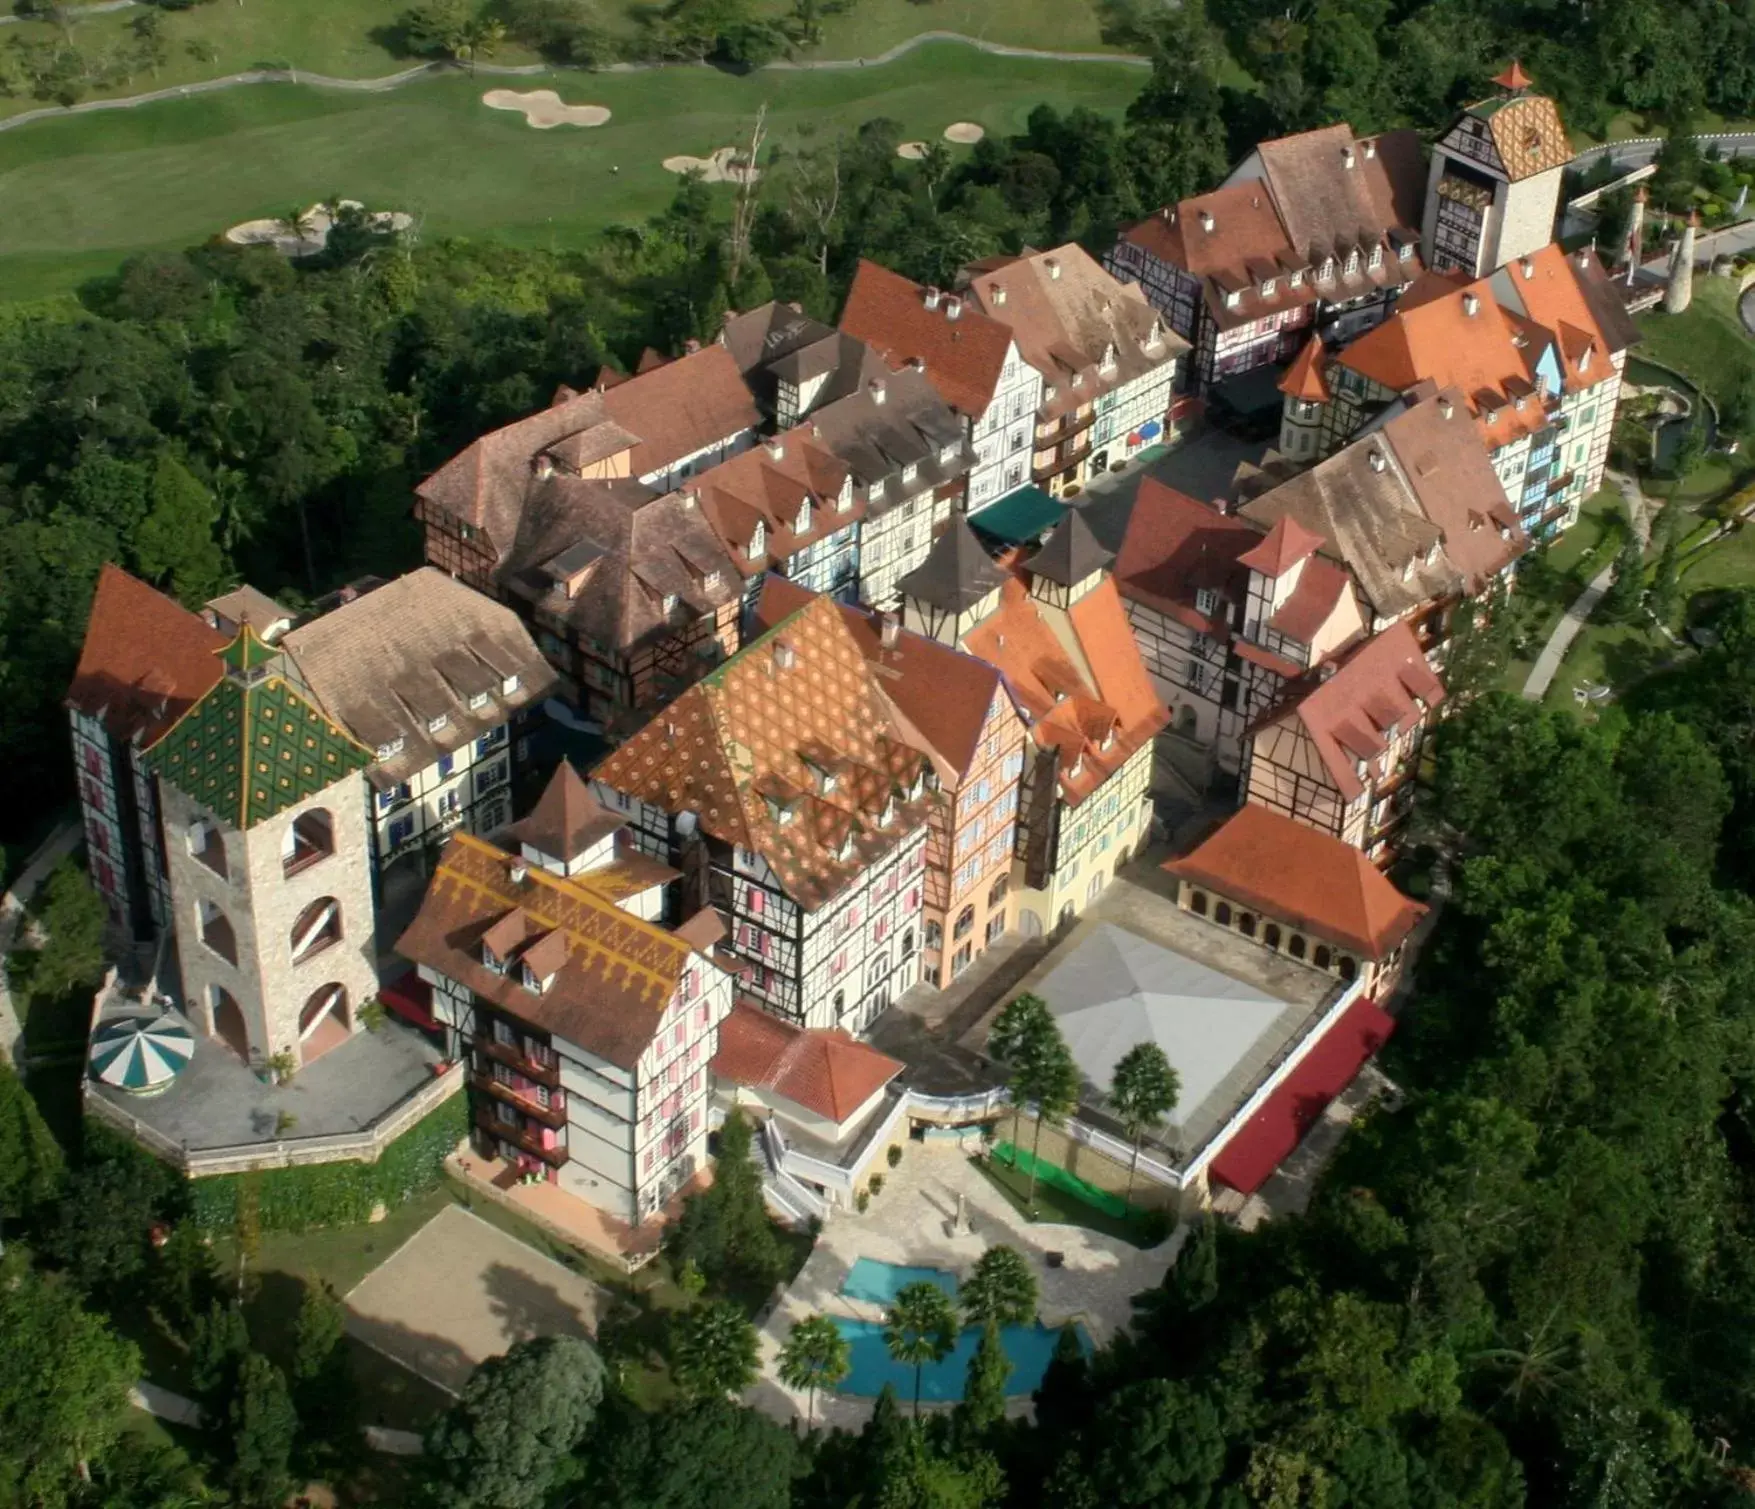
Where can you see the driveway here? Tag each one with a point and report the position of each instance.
(460, 1291)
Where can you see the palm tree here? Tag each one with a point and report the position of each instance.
(1142, 1092)
(1000, 1290)
(713, 1351)
(816, 1355)
(1026, 1039)
(921, 1328)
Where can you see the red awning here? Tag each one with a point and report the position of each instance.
(1262, 1143)
(411, 998)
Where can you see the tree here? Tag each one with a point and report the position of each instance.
(1000, 1289)
(983, 1404)
(71, 916)
(264, 1427)
(725, 1230)
(500, 1445)
(1195, 1278)
(816, 1355)
(101, 1234)
(1627, 583)
(1157, 1445)
(1026, 1040)
(1666, 582)
(699, 1454)
(713, 1350)
(1142, 1092)
(31, 1166)
(63, 1387)
(437, 28)
(322, 1379)
(920, 1328)
(218, 1344)
(174, 544)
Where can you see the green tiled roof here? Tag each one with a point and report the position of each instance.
(249, 749)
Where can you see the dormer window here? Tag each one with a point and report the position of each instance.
(1078, 379)
(1584, 359)
(758, 546)
(1352, 263)
(825, 778)
(670, 601)
(947, 455)
(1432, 554)
(801, 525)
(1376, 257)
(390, 750)
(1328, 269)
(710, 581)
(533, 982)
(1206, 601)
(910, 472)
(1109, 738)
(781, 812)
(477, 701)
(1268, 286)
(1405, 252)
(888, 815)
(508, 686)
(491, 961)
(1048, 391)
(844, 849)
(1077, 767)
(1297, 278)
(437, 725)
(1233, 299)
(1408, 570)
(1108, 364)
(917, 787)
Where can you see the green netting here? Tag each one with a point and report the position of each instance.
(1056, 1177)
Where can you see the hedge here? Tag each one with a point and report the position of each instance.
(339, 1194)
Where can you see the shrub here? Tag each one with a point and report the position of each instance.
(895, 1154)
(339, 1194)
(862, 1201)
(877, 1183)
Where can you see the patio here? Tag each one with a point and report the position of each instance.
(912, 1222)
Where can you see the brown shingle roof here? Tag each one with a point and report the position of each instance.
(768, 486)
(145, 661)
(1303, 877)
(612, 985)
(963, 357)
(1175, 546)
(733, 750)
(409, 652)
(567, 819)
(682, 407)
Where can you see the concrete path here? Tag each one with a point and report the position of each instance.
(162, 1404)
(1548, 663)
(62, 842)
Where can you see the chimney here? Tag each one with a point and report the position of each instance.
(728, 317)
(1206, 220)
(777, 448)
(1326, 670)
(1169, 214)
(544, 466)
(876, 389)
(689, 498)
(889, 630)
(691, 346)
(1471, 305)
(996, 292)
(1370, 149)
(1376, 458)
(1526, 267)
(785, 657)
(1347, 157)
(1446, 409)
(953, 309)
(1053, 269)
(932, 298)
(917, 364)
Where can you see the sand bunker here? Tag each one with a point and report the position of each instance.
(543, 109)
(311, 232)
(912, 150)
(721, 167)
(965, 133)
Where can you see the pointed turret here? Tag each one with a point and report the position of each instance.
(568, 830)
(1680, 293)
(1636, 234)
(1513, 80)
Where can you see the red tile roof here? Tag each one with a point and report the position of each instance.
(1175, 546)
(1321, 585)
(1286, 543)
(146, 660)
(963, 357)
(1302, 877)
(767, 486)
(1304, 378)
(827, 1073)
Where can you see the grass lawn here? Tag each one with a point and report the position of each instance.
(1706, 343)
(79, 194)
(1061, 1208)
(1728, 562)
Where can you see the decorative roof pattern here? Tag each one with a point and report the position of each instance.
(789, 750)
(612, 975)
(1298, 875)
(145, 659)
(249, 749)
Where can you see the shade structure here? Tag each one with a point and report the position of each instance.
(141, 1054)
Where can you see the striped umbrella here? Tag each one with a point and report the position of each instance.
(141, 1054)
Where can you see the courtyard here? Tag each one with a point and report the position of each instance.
(460, 1291)
(913, 1222)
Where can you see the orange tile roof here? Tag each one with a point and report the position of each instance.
(826, 1072)
(1286, 543)
(1303, 877)
(146, 659)
(1104, 698)
(963, 357)
(612, 984)
(741, 750)
(1348, 715)
(1304, 378)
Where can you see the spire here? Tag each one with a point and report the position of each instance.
(1635, 234)
(566, 821)
(956, 574)
(1513, 80)
(1070, 554)
(1680, 293)
(1304, 378)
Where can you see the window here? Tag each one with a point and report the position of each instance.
(401, 829)
(310, 838)
(1323, 956)
(1297, 946)
(490, 776)
(998, 891)
(1222, 914)
(965, 923)
(318, 927)
(1206, 600)
(450, 801)
(1197, 903)
(206, 845)
(503, 1034)
(1271, 935)
(394, 797)
(216, 931)
(477, 701)
(389, 750)
(437, 725)
(1246, 924)
(935, 935)
(491, 740)
(447, 763)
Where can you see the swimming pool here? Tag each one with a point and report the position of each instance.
(1029, 1347)
(879, 1283)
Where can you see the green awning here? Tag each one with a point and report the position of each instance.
(1021, 517)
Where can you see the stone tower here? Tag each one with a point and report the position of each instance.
(265, 834)
(1680, 292)
(1493, 189)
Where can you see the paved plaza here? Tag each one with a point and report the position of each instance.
(911, 1222)
(460, 1291)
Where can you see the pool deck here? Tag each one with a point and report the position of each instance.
(910, 1223)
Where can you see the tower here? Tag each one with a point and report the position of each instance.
(1494, 185)
(954, 588)
(1636, 234)
(1307, 398)
(1680, 292)
(264, 820)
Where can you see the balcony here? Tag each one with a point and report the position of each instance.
(518, 1137)
(1062, 462)
(554, 1114)
(513, 1058)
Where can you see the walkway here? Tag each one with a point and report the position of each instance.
(62, 842)
(162, 1404)
(1547, 665)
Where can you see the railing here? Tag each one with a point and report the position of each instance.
(364, 1147)
(958, 1107)
(516, 1135)
(514, 1058)
(780, 1186)
(553, 1115)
